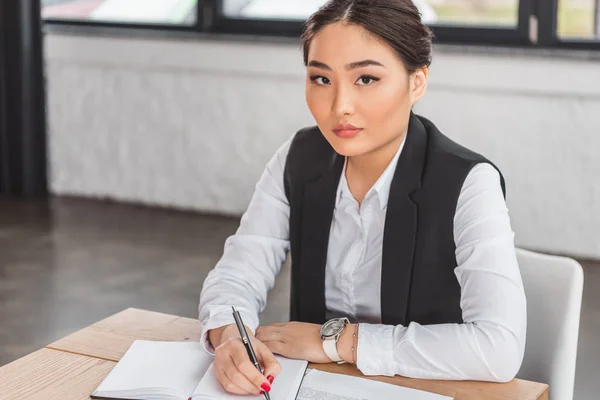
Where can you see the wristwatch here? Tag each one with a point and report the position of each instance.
(330, 333)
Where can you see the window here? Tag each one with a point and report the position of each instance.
(500, 13)
(166, 12)
(297, 10)
(483, 21)
(547, 23)
(453, 12)
(579, 19)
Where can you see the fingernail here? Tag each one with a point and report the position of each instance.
(266, 387)
(270, 378)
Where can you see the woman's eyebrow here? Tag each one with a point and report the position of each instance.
(363, 63)
(320, 65)
(348, 67)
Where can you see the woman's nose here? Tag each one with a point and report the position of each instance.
(343, 103)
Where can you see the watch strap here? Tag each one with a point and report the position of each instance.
(330, 347)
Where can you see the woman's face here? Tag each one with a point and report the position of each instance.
(353, 78)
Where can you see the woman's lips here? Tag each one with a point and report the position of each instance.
(346, 131)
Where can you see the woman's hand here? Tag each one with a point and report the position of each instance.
(233, 367)
(297, 340)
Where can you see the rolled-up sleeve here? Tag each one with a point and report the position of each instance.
(490, 343)
(252, 257)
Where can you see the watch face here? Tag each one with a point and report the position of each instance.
(332, 328)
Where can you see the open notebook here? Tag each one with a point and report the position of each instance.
(180, 371)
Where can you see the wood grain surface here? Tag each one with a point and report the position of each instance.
(110, 338)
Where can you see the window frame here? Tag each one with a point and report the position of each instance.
(211, 19)
(444, 33)
(547, 14)
(483, 34)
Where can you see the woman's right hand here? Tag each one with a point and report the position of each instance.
(233, 367)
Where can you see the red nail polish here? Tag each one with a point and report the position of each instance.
(266, 387)
(270, 378)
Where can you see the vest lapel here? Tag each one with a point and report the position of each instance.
(401, 227)
(317, 214)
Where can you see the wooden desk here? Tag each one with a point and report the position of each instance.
(52, 375)
(110, 338)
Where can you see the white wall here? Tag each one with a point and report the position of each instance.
(190, 124)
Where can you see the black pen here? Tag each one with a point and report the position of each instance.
(247, 344)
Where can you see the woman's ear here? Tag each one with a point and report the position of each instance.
(418, 84)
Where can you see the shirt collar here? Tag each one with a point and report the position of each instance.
(381, 188)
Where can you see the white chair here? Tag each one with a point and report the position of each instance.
(553, 286)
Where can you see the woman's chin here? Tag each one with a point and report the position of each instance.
(348, 147)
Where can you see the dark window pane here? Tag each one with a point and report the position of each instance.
(177, 12)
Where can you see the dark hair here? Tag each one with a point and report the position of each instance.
(395, 22)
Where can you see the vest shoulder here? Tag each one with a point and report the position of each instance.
(309, 154)
(443, 148)
(307, 137)
(445, 155)
(309, 150)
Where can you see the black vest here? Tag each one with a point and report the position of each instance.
(418, 261)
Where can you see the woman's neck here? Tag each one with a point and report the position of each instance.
(362, 172)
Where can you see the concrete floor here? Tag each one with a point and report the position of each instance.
(66, 263)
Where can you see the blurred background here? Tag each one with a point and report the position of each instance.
(132, 134)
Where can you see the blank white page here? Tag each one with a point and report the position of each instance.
(284, 387)
(320, 385)
(178, 366)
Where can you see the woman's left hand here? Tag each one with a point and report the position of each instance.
(298, 340)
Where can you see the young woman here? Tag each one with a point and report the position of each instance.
(403, 258)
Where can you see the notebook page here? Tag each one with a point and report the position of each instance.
(318, 385)
(285, 386)
(178, 366)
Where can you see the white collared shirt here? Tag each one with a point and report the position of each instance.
(354, 251)
(488, 346)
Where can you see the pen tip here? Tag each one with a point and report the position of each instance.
(233, 308)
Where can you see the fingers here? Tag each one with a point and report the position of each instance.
(271, 366)
(227, 383)
(249, 371)
(268, 333)
(237, 375)
(280, 348)
(235, 371)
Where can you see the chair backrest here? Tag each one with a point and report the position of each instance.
(553, 287)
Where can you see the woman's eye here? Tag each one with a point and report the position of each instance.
(320, 80)
(366, 80)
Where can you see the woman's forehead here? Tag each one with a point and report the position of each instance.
(343, 43)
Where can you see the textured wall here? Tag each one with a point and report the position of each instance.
(190, 124)
(164, 128)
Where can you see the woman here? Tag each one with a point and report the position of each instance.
(389, 222)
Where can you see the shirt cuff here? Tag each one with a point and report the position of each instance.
(221, 316)
(375, 350)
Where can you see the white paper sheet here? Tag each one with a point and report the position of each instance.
(284, 387)
(318, 385)
(149, 367)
